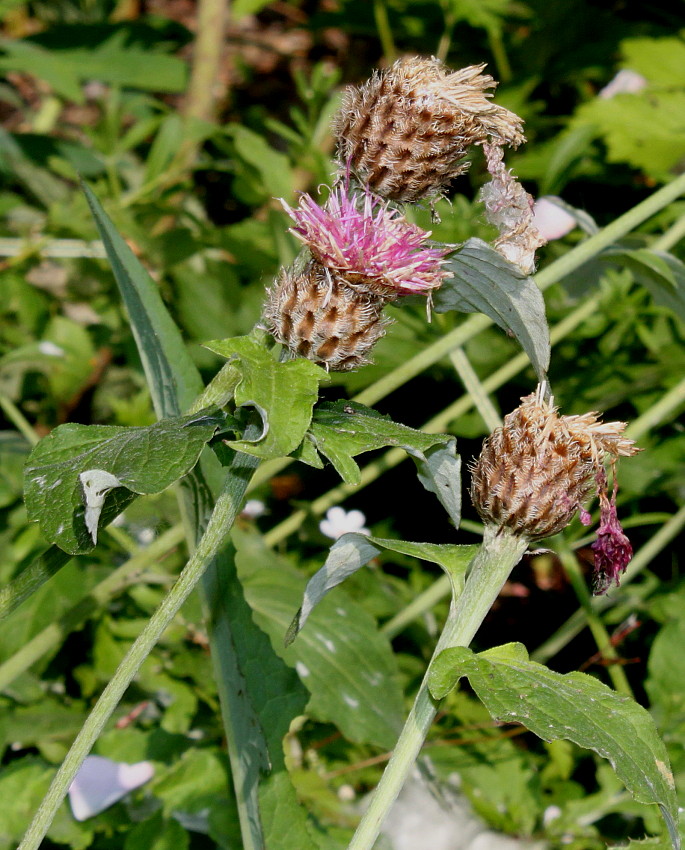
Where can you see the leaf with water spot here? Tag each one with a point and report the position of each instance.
(575, 707)
(77, 472)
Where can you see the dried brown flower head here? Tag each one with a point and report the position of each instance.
(535, 472)
(314, 312)
(406, 131)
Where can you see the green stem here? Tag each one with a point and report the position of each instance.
(227, 507)
(474, 387)
(602, 640)
(17, 418)
(499, 54)
(52, 635)
(490, 568)
(380, 14)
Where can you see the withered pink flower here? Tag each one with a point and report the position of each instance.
(612, 548)
(372, 246)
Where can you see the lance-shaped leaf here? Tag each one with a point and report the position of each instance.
(484, 282)
(283, 393)
(353, 551)
(439, 470)
(70, 473)
(342, 430)
(573, 706)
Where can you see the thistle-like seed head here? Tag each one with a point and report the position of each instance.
(373, 247)
(315, 314)
(537, 469)
(406, 131)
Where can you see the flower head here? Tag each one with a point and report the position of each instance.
(373, 247)
(537, 469)
(406, 131)
(339, 521)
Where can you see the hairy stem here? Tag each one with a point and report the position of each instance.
(490, 568)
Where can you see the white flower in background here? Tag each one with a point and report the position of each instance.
(253, 509)
(50, 349)
(101, 782)
(551, 220)
(625, 82)
(339, 521)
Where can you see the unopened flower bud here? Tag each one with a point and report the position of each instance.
(317, 315)
(535, 472)
(406, 131)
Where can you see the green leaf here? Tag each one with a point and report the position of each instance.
(70, 472)
(271, 168)
(266, 695)
(484, 282)
(342, 659)
(110, 61)
(666, 669)
(343, 429)
(156, 833)
(659, 272)
(353, 550)
(173, 379)
(439, 470)
(283, 393)
(660, 60)
(574, 707)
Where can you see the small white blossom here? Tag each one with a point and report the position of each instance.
(551, 221)
(625, 82)
(339, 521)
(101, 782)
(253, 508)
(50, 349)
(550, 814)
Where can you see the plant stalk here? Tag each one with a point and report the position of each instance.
(228, 505)
(490, 568)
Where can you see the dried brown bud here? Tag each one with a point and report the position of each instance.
(406, 131)
(537, 469)
(315, 313)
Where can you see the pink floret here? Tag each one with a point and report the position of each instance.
(612, 548)
(362, 238)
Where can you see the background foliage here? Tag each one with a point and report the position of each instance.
(104, 90)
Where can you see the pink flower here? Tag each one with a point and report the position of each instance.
(371, 245)
(612, 548)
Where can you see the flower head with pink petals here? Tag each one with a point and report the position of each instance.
(370, 244)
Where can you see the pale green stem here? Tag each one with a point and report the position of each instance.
(226, 509)
(490, 568)
(207, 49)
(17, 418)
(474, 387)
(52, 635)
(671, 237)
(380, 14)
(417, 608)
(658, 412)
(602, 639)
(577, 621)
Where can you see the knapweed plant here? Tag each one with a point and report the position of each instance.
(402, 137)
